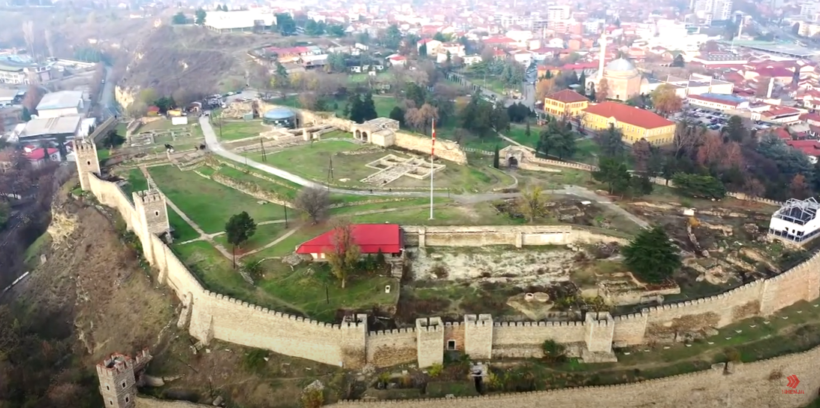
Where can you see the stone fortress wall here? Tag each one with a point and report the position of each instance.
(758, 384)
(213, 316)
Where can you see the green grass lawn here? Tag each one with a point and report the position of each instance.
(478, 214)
(239, 130)
(136, 182)
(288, 191)
(312, 162)
(263, 236)
(207, 203)
(317, 293)
(182, 231)
(353, 208)
(214, 270)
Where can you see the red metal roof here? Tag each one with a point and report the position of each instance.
(37, 154)
(369, 237)
(629, 115)
(809, 147)
(567, 96)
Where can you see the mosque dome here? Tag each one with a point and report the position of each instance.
(620, 68)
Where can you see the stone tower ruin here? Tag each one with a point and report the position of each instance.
(87, 161)
(118, 375)
(150, 206)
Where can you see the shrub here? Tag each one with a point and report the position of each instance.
(732, 355)
(254, 360)
(553, 351)
(439, 271)
(436, 370)
(312, 399)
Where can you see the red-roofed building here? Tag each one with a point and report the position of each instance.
(635, 123)
(783, 134)
(778, 114)
(565, 102)
(371, 239)
(810, 147)
(38, 156)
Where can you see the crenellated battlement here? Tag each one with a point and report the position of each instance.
(628, 317)
(394, 332)
(84, 147)
(540, 324)
(429, 324)
(147, 196)
(478, 320)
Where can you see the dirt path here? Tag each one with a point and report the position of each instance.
(274, 242)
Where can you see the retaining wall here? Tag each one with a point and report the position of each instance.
(518, 236)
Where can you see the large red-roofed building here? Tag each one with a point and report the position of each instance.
(634, 123)
(371, 239)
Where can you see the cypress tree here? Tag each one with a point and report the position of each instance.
(496, 158)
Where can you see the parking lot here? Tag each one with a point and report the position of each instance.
(715, 120)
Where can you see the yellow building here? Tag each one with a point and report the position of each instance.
(636, 124)
(565, 102)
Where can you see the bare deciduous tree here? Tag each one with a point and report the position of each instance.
(314, 202)
(532, 203)
(28, 36)
(344, 255)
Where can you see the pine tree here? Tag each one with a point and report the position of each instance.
(591, 95)
(369, 108)
(527, 129)
(496, 158)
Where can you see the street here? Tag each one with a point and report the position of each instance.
(108, 103)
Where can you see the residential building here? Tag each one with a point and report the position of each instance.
(717, 102)
(634, 123)
(240, 20)
(556, 13)
(796, 222)
(52, 131)
(20, 69)
(565, 102)
(62, 103)
(371, 239)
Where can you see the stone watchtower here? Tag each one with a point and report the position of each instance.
(87, 161)
(118, 376)
(150, 206)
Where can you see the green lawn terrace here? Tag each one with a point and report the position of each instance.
(344, 164)
(307, 290)
(208, 203)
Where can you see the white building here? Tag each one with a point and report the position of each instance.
(796, 221)
(240, 20)
(558, 13)
(62, 103)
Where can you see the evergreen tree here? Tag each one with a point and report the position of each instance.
(527, 131)
(25, 115)
(369, 108)
(591, 94)
(355, 108)
(496, 158)
(397, 114)
(651, 257)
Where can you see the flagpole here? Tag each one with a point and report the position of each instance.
(432, 169)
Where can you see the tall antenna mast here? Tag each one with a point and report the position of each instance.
(432, 168)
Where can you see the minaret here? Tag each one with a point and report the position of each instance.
(602, 43)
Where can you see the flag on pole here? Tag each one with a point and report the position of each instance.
(433, 149)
